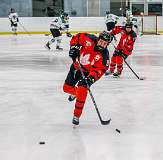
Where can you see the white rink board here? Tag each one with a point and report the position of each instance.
(41, 24)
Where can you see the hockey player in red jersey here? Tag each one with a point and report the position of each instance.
(92, 54)
(123, 49)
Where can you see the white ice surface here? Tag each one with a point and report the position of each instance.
(34, 108)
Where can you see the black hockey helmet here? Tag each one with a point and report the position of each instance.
(129, 25)
(64, 17)
(105, 36)
(127, 8)
(12, 10)
(64, 14)
(107, 12)
(103, 41)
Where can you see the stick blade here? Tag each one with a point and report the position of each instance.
(142, 78)
(105, 122)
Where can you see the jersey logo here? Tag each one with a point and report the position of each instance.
(99, 72)
(97, 57)
(93, 62)
(122, 32)
(129, 37)
(124, 41)
(88, 43)
(84, 60)
(56, 20)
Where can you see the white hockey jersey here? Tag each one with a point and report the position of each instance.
(111, 18)
(66, 21)
(129, 15)
(134, 21)
(57, 24)
(13, 17)
(122, 21)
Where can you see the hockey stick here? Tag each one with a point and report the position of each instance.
(90, 93)
(24, 29)
(93, 100)
(140, 78)
(48, 34)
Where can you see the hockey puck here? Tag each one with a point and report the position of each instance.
(117, 130)
(42, 142)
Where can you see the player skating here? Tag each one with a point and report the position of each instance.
(130, 18)
(123, 49)
(136, 25)
(56, 26)
(92, 54)
(128, 15)
(110, 20)
(66, 23)
(14, 19)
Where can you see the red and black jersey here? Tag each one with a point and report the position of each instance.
(127, 40)
(92, 61)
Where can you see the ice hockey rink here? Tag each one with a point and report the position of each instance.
(34, 108)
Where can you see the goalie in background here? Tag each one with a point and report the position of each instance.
(14, 19)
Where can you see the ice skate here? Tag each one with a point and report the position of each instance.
(75, 121)
(71, 98)
(108, 73)
(59, 48)
(116, 74)
(47, 46)
(68, 34)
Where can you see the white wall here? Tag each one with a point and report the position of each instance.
(38, 24)
(42, 24)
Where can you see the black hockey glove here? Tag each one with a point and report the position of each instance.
(89, 80)
(68, 34)
(136, 26)
(74, 52)
(120, 53)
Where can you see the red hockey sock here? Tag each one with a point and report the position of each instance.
(119, 64)
(113, 64)
(81, 94)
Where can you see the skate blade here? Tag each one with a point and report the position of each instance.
(116, 76)
(75, 126)
(47, 48)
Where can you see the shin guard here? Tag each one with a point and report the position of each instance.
(81, 94)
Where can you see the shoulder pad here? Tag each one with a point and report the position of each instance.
(91, 36)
